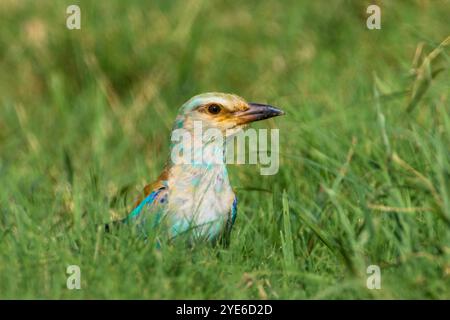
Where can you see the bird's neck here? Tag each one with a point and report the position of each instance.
(197, 161)
(194, 185)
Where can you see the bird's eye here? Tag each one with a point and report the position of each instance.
(214, 109)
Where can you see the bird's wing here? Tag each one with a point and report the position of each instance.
(234, 211)
(225, 237)
(154, 199)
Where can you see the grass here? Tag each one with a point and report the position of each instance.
(364, 177)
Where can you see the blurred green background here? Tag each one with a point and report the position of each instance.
(85, 118)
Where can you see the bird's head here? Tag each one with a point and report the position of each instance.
(227, 112)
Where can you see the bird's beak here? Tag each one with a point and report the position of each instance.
(256, 112)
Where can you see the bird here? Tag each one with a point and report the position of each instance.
(195, 198)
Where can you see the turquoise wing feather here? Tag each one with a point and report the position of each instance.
(148, 201)
(234, 211)
(147, 214)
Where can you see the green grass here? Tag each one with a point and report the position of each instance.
(364, 178)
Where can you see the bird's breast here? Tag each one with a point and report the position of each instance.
(200, 198)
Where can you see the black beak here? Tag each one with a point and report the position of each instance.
(257, 112)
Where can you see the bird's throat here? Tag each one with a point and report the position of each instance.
(201, 190)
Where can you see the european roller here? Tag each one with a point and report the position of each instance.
(193, 194)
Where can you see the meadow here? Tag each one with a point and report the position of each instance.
(364, 178)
